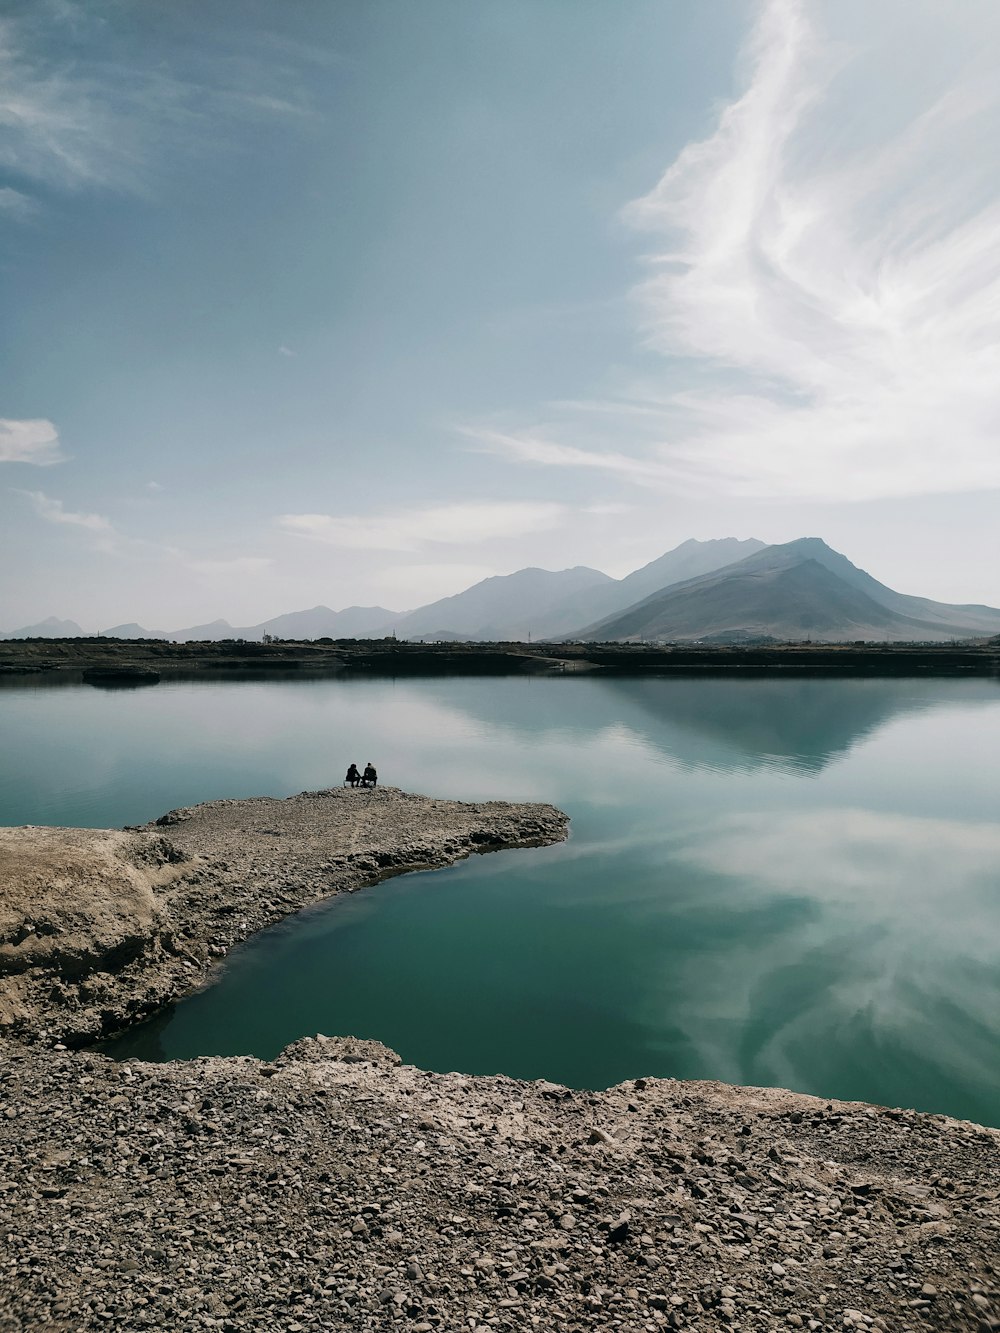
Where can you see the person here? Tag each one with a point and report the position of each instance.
(353, 776)
(370, 778)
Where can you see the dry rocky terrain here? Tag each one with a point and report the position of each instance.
(335, 1188)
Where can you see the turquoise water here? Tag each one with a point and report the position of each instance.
(791, 882)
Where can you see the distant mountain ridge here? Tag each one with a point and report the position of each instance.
(319, 622)
(797, 590)
(49, 628)
(724, 590)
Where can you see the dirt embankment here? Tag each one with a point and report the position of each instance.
(335, 1188)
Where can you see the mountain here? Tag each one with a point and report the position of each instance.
(802, 589)
(354, 622)
(213, 631)
(520, 606)
(543, 604)
(686, 561)
(727, 590)
(50, 628)
(975, 618)
(130, 631)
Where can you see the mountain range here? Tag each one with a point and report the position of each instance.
(716, 591)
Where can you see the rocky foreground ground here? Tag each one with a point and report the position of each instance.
(335, 1188)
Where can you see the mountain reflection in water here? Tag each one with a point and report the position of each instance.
(780, 881)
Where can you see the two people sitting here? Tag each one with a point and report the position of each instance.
(369, 778)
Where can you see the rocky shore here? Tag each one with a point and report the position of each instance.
(337, 1188)
(99, 928)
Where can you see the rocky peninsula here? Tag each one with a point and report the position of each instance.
(338, 1188)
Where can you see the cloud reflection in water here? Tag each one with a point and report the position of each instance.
(883, 936)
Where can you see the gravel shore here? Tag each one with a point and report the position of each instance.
(335, 1188)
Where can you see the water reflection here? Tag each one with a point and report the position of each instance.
(789, 882)
(886, 951)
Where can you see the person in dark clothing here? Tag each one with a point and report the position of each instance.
(353, 776)
(370, 778)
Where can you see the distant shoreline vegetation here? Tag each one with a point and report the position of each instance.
(74, 658)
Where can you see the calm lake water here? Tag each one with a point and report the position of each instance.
(792, 882)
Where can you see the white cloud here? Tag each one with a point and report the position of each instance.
(826, 280)
(53, 511)
(29, 442)
(412, 529)
(285, 351)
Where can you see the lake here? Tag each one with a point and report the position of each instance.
(782, 881)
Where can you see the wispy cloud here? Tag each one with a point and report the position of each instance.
(15, 204)
(54, 511)
(30, 442)
(56, 126)
(533, 447)
(73, 116)
(98, 533)
(834, 306)
(412, 529)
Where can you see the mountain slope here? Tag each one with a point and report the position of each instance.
(802, 589)
(689, 560)
(985, 619)
(528, 603)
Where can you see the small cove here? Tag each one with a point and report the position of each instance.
(788, 882)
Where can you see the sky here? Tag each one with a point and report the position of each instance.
(358, 304)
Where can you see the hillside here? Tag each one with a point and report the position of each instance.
(802, 589)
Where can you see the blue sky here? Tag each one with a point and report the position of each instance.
(360, 303)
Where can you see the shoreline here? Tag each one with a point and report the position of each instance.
(130, 663)
(335, 1187)
(101, 928)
